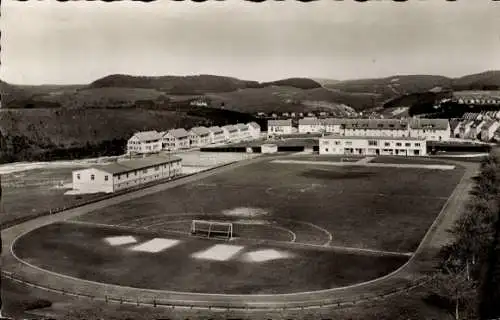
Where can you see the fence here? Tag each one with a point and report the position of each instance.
(228, 304)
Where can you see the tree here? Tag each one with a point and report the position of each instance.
(459, 292)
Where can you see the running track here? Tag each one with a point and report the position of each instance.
(401, 279)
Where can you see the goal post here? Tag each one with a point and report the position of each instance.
(212, 229)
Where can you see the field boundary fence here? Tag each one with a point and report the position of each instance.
(228, 305)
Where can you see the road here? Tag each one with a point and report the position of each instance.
(400, 279)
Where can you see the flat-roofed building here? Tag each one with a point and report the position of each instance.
(125, 174)
(359, 145)
(279, 127)
(144, 142)
(216, 135)
(199, 136)
(175, 139)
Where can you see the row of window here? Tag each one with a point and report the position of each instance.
(373, 143)
(106, 178)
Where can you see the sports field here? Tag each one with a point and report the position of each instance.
(297, 228)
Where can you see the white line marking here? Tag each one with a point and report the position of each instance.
(120, 240)
(156, 245)
(218, 252)
(370, 164)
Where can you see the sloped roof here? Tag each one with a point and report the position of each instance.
(216, 129)
(254, 125)
(241, 126)
(438, 124)
(379, 124)
(280, 123)
(378, 138)
(178, 133)
(136, 164)
(230, 128)
(309, 121)
(489, 124)
(200, 131)
(147, 135)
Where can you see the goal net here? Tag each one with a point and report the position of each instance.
(212, 229)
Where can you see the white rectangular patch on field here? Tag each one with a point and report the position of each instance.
(218, 252)
(120, 240)
(156, 245)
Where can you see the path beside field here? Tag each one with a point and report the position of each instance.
(401, 279)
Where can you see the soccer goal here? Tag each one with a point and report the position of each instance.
(212, 229)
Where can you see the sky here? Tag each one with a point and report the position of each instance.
(51, 42)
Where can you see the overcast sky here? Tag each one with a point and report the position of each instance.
(78, 42)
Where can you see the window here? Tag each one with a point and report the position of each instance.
(119, 177)
(78, 176)
(372, 142)
(348, 143)
(105, 178)
(387, 144)
(145, 171)
(127, 175)
(417, 144)
(407, 144)
(157, 168)
(92, 177)
(326, 150)
(337, 143)
(398, 144)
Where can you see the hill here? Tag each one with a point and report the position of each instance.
(392, 87)
(300, 83)
(199, 84)
(48, 134)
(288, 99)
(489, 80)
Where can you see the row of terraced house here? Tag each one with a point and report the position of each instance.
(177, 139)
(430, 129)
(484, 126)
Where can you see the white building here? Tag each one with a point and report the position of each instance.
(199, 136)
(488, 130)
(464, 129)
(311, 125)
(144, 142)
(254, 129)
(269, 148)
(216, 135)
(358, 145)
(231, 133)
(243, 131)
(126, 174)
(431, 129)
(475, 129)
(175, 139)
(279, 127)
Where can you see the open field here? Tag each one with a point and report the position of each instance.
(380, 205)
(80, 251)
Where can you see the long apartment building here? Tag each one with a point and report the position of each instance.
(365, 145)
(126, 174)
(431, 129)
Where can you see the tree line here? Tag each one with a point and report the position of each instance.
(468, 278)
